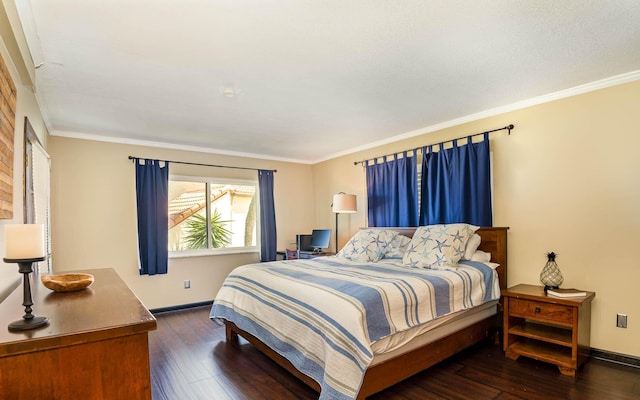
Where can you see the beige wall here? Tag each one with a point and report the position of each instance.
(94, 215)
(566, 180)
(26, 106)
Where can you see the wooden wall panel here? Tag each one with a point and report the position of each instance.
(8, 95)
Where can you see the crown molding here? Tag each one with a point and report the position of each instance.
(172, 146)
(574, 91)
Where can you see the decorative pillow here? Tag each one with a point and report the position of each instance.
(438, 246)
(397, 247)
(472, 246)
(368, 245)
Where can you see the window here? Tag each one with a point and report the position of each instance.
(37, 172)
(212, 216)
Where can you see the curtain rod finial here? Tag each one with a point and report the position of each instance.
(509, 128)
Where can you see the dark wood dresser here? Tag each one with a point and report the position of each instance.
(95, 346)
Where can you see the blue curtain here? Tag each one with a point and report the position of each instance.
(392, 192)
(268, 237)
(152, 198)
(456, 184)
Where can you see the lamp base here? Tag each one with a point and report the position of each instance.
(27, 324)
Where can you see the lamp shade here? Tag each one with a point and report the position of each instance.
(24, 241)
(344, 203)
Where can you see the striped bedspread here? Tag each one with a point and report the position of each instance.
(323, 314)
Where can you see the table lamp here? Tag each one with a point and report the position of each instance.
(343, 203)
(24, 246)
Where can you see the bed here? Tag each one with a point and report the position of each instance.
(382, 352)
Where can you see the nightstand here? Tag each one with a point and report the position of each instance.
(547, 328)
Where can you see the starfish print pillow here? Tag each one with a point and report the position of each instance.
(438, 246)
(368, 245)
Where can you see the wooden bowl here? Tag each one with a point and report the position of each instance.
(67, 282)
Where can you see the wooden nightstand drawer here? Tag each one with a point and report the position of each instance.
(538, 310)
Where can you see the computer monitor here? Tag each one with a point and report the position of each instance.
(320, 239)
(303, 243)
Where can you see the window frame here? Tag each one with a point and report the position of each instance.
(208, 180)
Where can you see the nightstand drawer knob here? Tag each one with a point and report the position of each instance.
(537, 310)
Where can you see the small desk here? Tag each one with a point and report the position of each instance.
(315, 255)
(283, 254)
(95, 346)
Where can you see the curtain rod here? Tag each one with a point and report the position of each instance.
(508, 128)
(208, 165)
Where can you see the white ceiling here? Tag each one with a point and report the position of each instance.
(313, 79)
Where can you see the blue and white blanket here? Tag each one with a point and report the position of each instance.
(324, 314)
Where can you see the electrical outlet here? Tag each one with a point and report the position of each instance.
(187, 284)
(621, 321)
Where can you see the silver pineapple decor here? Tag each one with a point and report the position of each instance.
(551, 277)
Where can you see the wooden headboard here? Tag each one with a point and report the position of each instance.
(494, 241)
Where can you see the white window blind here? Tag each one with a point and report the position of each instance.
(38, 195)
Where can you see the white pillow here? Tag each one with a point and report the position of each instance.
(492, 265)
(472, 246)
(481, 256)
(397, 247)
(438, 246)
(368, 245)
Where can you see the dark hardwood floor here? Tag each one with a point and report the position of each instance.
(190, 360)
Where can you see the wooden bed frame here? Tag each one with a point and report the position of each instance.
(380, 376)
